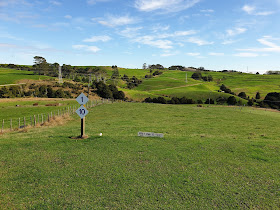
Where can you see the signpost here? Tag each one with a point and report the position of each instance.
(82, 112)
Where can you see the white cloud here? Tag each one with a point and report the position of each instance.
(5, 45)
(113, 21)
(252, 10)
(164, 5)
(249, 9)
(265, 13)
(184, 33)
(160, 28)
(98, 38)
(130, 32)
(193, 54)
(207, 10)
(230, 41)
(236, 31)
(216, 54)
(168, 54)
(5, 3)
(56, 3)
(177, 34)
(247, 55)
(151, 41)
(68, 16)
(199, 41)
(60, 24)
(159, 40)
(93, 49)
(267, 41)
(92, 2)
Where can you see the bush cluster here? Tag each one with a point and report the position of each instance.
(108, 91)
(173, 100)
(42, 91)
(272, 100)
(131, 82)
(198, 76)
(226, 89)
(157, 73)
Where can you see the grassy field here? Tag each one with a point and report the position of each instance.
(173, 83)
(11, 76)
(25, 108)
(210, 157)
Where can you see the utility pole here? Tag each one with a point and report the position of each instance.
(60, 81)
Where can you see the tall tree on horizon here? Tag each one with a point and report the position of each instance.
(41, 65)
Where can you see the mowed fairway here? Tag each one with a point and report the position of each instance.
(210, 157)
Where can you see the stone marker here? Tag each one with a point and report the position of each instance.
(150, 134)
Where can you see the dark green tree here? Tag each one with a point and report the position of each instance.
(242, 95)
(250, 102)
(231, 100)
(273, 100)
(258, 95)
(41, 65)
(197, 76)
(209, 101)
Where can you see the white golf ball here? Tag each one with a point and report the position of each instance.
(100, 134)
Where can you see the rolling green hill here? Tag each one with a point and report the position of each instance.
(173, 83)
(12, 76)
(210, 157)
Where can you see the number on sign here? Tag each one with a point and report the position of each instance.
(82, 111)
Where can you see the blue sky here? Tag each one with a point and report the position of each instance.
(216, 34)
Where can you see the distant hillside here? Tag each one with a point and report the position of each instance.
(171, 83)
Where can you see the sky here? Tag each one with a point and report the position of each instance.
(242, 35)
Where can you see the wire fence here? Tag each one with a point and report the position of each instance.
(22, 122)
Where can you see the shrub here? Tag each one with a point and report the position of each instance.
(231, 100)
(59, 94)
(242, 95)
(250, 102)
(209, 101)
(273, 100)
(221, 100)
(226, 90)
(258, 95)
(196, 76)
(119, 95)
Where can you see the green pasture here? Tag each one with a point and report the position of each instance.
(169, 79)
(9, 110)
(249, 83)
(173, 83)
(139, 73)
(210, 157)
(11, 76)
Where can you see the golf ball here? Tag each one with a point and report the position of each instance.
(100, 134)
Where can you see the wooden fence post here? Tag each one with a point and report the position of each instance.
(11, 124)
(34, 120)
